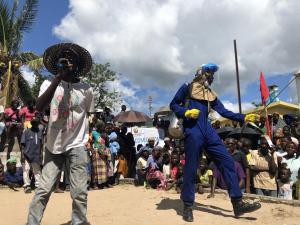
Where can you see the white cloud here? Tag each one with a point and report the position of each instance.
(234, 107)
(28, 75)
(129, 95)
(161, 42)
(118, 85)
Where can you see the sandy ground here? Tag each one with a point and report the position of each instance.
(128, 205)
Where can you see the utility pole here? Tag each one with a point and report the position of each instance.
(297, 77)
(237, 76)
(150, 105)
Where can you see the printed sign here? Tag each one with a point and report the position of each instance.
(142, 134)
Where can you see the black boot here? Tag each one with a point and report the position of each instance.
(240, 207)
(188, 213)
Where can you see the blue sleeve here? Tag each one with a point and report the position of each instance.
(219, 107)
(95, 135)
(177, 104)
(117, 146)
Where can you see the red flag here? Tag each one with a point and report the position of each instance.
(263, 89)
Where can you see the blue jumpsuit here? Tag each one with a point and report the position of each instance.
(200, 135)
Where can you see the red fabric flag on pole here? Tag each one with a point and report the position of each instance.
(263, 89)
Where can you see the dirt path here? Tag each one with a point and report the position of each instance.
(128, 205)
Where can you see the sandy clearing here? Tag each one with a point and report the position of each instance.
(129, 205)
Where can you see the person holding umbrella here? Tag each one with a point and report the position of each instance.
(199, 134)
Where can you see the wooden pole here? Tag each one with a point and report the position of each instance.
(297, 77)
(237, 76)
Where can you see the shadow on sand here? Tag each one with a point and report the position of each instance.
(70, 223)
(176, 204)
(67, 223)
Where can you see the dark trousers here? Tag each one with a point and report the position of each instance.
(197, 139)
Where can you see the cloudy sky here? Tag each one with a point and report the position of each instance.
(156, 45)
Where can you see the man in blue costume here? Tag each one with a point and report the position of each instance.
(200, 135)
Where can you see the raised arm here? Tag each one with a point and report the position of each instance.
(46, 95)
(219, 107)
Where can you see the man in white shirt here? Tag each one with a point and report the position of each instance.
(70, 101)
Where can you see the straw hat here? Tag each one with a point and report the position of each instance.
(54, 52)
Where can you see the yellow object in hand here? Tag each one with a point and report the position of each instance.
(252, 117)
(192, 113)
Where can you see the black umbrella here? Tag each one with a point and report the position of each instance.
(246, 131)
(224, 131)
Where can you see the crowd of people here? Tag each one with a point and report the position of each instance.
(265, 165)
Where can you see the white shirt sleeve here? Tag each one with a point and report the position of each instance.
(90, 100)
(1, 109)
(44, 86)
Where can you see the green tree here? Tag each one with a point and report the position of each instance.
(98, 78)
(39, 79)
(13, 27)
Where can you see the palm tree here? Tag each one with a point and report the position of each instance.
(13, 27)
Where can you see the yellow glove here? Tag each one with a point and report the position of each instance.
(192, 113)
(252, 117)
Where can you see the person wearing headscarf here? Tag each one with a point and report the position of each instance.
(193, 102)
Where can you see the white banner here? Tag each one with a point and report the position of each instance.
(142, 134)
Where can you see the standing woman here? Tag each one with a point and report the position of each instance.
(99, 158)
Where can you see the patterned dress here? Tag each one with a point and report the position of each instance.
(100, 156)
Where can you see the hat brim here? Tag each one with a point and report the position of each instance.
(52, 54)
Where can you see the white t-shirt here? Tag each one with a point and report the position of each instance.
(141, 163)
(68, 121)
(166, 171)
(285, 191)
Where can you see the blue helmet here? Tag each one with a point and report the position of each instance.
(209, 67)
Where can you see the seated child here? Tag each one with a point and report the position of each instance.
(178, 182)
(175, 163)
(285, 184)
(154, 176)
(13, 177)
(141, 168)
(205, 176)
(166, 165)
(176, 172)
